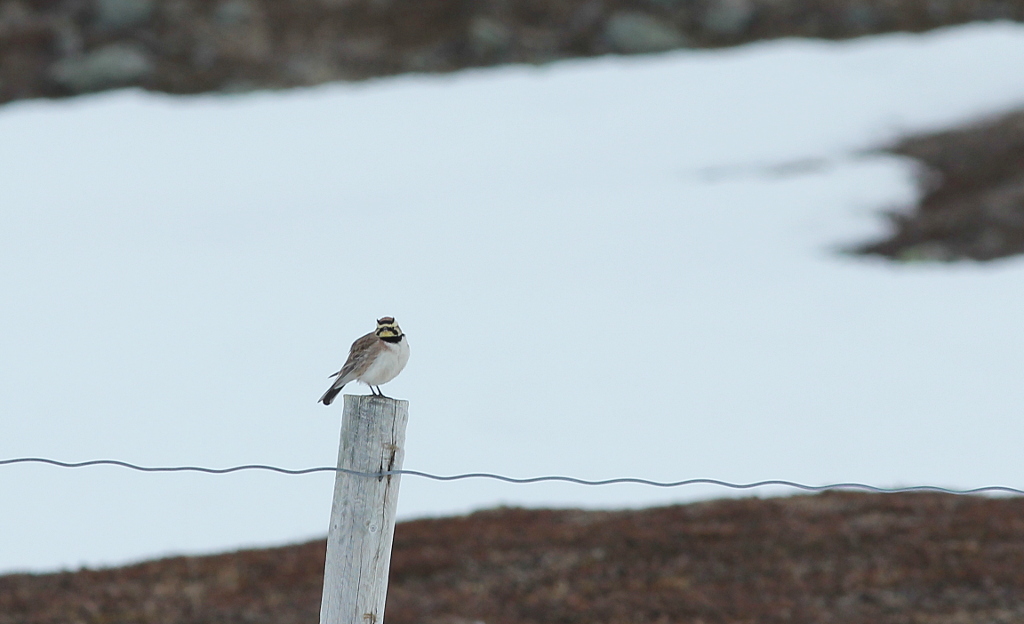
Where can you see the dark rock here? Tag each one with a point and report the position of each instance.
(862, 18)
(115, 65)
(232, 13)
(121, 14)
(489, 36)
(727, 18)
(632, 32)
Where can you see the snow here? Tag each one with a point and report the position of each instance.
(182, 274)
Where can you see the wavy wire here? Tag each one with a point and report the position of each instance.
(557, 478)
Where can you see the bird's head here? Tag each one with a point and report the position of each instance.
(388, 328)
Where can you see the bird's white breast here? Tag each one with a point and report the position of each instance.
(388, 364)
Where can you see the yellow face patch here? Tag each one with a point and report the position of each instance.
(388, 329)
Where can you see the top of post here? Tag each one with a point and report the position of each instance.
(372, 400)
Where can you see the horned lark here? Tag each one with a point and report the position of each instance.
(374, 359)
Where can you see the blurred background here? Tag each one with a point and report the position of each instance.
(735, 239)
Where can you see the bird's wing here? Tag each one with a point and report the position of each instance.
(360, 356)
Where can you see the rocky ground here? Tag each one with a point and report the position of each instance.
(833, 558)
(55, 48)
(972, 195)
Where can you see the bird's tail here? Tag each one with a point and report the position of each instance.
(332, 392)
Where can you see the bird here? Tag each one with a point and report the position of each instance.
(374, 359)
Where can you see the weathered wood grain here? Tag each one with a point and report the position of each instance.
(363, 513)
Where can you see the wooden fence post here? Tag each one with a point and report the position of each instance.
(363, 513)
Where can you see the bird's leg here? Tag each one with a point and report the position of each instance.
(381, 393)
(372, 393)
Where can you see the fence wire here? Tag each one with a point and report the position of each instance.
(988, 489)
